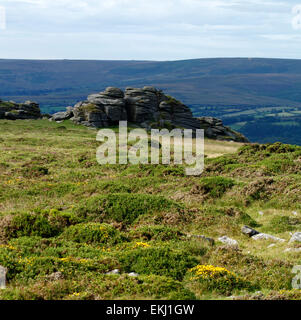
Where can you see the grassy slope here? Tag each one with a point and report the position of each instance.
(61, 211)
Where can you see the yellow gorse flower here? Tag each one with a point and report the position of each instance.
(142, 244)
(209, 272)
(7, 246)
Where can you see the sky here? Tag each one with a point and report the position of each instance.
(149, 29)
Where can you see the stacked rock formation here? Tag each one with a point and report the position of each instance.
(147, 107)
(14, 111)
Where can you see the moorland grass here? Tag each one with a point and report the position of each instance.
(60, 211)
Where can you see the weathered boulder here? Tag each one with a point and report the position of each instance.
(90, 114)
(296, 237)
(228, 241)
(143, 104)
(264, 236)
(215, 129)
(60, 116)
(101, 109)
(249, 231)
(14, 111)
(113, 272)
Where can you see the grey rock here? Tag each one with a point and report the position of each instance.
(60, 116)
(133, 274)
(113, 272)
(264, 236)
(249, 231)
(296, 237)
(114, 92)
(23, 111)
(228, 241)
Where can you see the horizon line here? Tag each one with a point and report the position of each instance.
(146, 60)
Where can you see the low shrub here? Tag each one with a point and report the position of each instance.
(122, 207)
(34, 171)
(159, 261)
(92, 233)
(215, 186)
(28, 224)
(44, 224)
(91, 287)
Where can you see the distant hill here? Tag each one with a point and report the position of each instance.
(243, 92)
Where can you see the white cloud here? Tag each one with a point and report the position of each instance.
(140, 29)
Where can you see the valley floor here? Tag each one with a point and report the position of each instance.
(66, 222)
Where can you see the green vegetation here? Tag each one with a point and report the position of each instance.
(123, 207)
(66, 222)
(215, 186)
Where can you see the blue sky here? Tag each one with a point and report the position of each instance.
(150, 30)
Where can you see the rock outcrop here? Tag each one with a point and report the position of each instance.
(14, 111)
(65, 115)
(147, 107)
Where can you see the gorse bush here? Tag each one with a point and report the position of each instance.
(93, 233)
(217, 279)
(160, 261)
(123, 207)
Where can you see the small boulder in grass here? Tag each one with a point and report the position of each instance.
(249, 231)
(113, 272)
(133, 274)
(296, 237)
(228, 241)
(264, 236)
